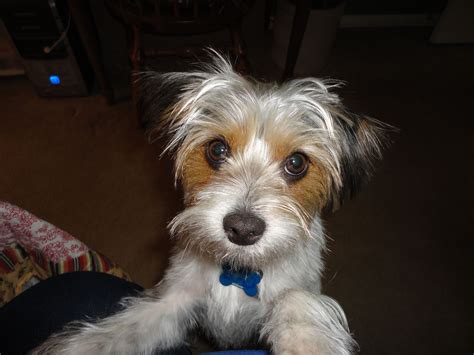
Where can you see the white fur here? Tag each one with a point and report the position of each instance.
(290, 314)
(191, 294)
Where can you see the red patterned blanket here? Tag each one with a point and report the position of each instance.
(32, 250)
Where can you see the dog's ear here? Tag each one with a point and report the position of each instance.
(363, 140)
(157, 93)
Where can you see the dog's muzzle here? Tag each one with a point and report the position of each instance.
(243, 228)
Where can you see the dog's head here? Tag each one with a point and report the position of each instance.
(257, 162)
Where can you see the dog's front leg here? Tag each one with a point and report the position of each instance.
(303, 323)
(159, 319)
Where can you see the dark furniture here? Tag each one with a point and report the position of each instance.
(180, 17)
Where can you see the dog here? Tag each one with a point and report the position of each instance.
(258, 163)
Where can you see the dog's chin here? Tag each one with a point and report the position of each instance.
(255, 256)
(223, 252)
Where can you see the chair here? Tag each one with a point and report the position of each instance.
(180, 17)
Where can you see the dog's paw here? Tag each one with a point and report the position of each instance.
(299, 340)
(302, 323)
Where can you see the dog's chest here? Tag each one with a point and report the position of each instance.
(230, 316)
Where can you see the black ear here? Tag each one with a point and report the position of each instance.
(363, 140)
(157, 93)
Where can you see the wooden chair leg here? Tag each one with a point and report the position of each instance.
(242, 64)
(136, 59)
(82, 16)
(300, 20)
(135, 49)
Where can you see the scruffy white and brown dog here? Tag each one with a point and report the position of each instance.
(258, 164)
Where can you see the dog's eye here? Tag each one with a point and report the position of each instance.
(296, 165)
(216, 153)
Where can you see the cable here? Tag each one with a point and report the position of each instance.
(49, 49)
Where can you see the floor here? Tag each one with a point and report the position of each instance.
(401, 259)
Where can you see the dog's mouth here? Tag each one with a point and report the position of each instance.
(233, 238)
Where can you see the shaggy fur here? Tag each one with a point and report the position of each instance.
(262, 125)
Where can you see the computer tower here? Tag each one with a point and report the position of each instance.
(46, 38)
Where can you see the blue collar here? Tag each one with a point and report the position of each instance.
(243, 278)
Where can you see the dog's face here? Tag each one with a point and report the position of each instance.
(257, 162)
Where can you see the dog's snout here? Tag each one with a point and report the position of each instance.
(243, 228)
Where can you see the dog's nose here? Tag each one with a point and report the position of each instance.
(243, 228)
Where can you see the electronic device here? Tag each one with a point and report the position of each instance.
(46, 38)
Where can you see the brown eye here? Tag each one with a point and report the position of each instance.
(296, 165)
(216, 153)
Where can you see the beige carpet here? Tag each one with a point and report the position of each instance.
(86, 167)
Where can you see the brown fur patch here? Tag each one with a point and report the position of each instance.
(311, 191)
(196, 174)
(196, 171)
(238, 137)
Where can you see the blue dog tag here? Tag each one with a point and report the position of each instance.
(245, 279)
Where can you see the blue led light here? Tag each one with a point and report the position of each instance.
(54, 80)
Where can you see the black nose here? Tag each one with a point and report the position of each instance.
(243, 228)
